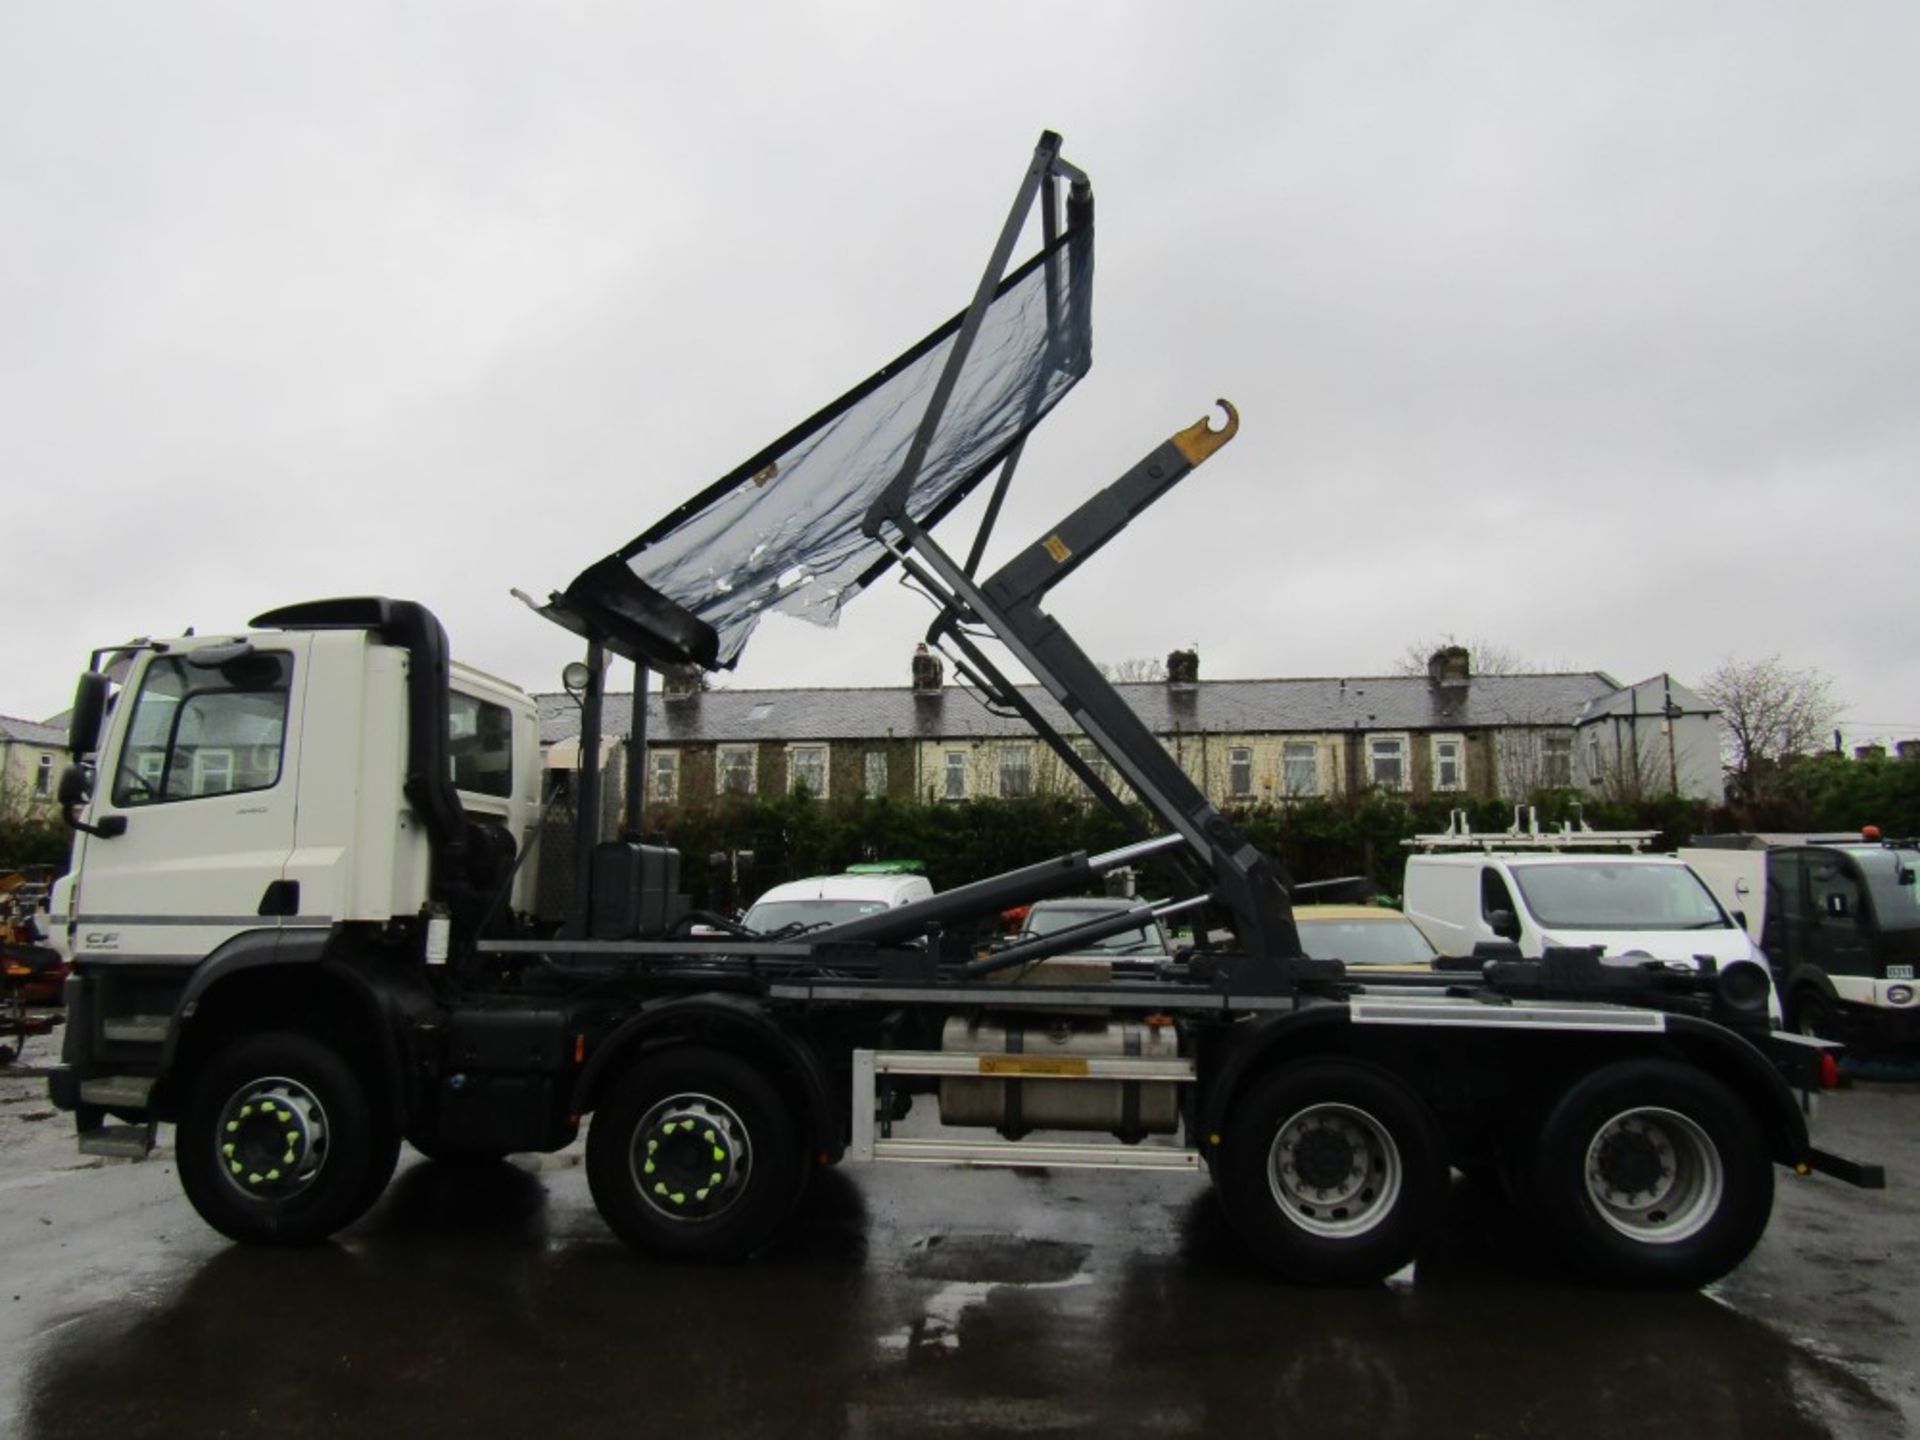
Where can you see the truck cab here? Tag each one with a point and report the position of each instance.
(1839, 921)
(217, 807)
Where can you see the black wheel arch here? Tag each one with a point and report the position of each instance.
(290, 980)
(731, 1023)
(1232, 1058)
(1744, 1069)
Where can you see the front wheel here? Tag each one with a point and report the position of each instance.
(1333, 1172)
(1652, 1174)
(693, 1155)
(280, 1143)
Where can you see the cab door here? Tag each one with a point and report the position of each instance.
(199, 766)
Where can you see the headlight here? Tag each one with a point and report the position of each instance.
(1900, 994)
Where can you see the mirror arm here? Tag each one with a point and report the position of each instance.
(109, 826)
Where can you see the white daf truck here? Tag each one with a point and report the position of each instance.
(302, 923)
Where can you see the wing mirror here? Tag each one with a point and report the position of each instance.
(1504, 923)
(89, 710)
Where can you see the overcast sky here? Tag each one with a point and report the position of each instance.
(1594, 331)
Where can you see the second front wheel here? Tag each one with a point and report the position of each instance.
(692, 1154)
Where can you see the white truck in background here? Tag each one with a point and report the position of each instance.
(1839, 921)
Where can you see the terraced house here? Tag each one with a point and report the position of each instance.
(32, 755)
(1244, 741)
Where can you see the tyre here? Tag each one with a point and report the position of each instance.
(1651, 1174)
(280, 1143)
(692, 1154)
(1333, 1172)
(1812, 1014)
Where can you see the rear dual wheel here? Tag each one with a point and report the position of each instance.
(1651, 1174)
(1332, 1171)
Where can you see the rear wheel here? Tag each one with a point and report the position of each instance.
(1652, 1174)
(693, 1155)
(1332, 1171)
(280, 1143)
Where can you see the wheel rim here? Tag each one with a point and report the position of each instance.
(690, 1157)
(1334, 1170)
(1654, 1175)
(271, 1138)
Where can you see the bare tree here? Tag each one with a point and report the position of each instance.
(1138, 670)
(1771, 711)
(1487, 657)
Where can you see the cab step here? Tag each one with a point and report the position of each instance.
(136, 1029)
(117, 1092)
(118, 1142)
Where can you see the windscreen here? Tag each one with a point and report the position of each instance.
(1618, 895)
(1364, 942)
(1050, 919)
(772, 915)
(782, 531)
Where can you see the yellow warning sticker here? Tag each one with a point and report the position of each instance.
(1057, 548)
(1033, 1064)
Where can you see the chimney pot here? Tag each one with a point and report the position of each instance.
(928, 672)
(1449, 667)
(1183, 667)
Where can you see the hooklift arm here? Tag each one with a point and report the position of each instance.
(1248, 883)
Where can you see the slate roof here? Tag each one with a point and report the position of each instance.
(31, 732)
(1386, 702)
(1646, 698)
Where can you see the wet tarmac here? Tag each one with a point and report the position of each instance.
(924, 1302)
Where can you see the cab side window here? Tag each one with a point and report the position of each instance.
(1494, 894)
(1837, 925)
(203, 731)
(480, 746)
(1785, 907)
(1834, 890)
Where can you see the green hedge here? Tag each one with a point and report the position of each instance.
(25, 843)
(1314, 839)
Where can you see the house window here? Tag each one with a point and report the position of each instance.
(1594, 776)
(1556, 760)
(212, 771)
(666, 776)
(735, 771)
(1449, 762)
(1300, 767)
(43, 778)
(956, 777)
(1095, 761)
(1016, 771)
(1387, 761)
(1239, 771)
(876, 772)
(807, 769)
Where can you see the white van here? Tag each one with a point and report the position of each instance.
(1630, 905)
(833, 899)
